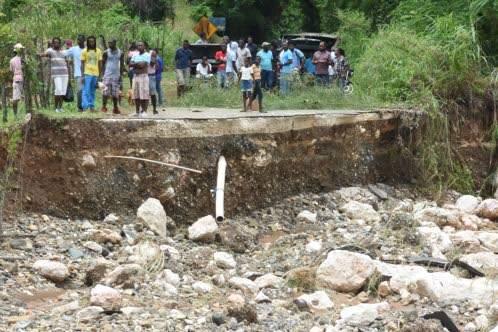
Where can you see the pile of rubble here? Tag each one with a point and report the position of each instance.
(371, 258)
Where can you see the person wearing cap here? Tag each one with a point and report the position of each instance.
(266, 65)
(16, 66)
(74, 53)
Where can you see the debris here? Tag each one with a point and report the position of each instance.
(444, 319)
(156, 162)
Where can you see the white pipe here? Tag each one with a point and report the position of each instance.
(220, 189)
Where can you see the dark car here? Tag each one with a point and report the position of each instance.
(308, 42)
(200, 50)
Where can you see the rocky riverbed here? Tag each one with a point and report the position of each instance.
(373, 258)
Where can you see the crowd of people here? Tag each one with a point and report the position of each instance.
(271, 67)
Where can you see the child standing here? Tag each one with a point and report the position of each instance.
(257, 91)
(245, 79)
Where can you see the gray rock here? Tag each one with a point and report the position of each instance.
(360, 211)
(89, 313)
(152, 213)
(88, 162)
(54, 271)
(124, 275)
(467, 203)
(317, 301)
(130, 234)
(218, 318)
(224, 260)
(345, 271)
(21, 244)
(363, 314)
(204, 229)
(106, 297)
(75, 253)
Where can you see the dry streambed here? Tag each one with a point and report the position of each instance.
(371, 258)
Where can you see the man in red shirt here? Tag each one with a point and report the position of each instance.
(221, 59)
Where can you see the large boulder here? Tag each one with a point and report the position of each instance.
(488, 209)
(53, 271)
(485, 261)
(362, 314)
(467, 203)
(445, 288)
(152, 213)
(106, 297)
(400, 276)
(360, 211)
(204, 229)
(345, 271)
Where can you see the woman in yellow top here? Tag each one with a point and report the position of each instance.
(91, 66)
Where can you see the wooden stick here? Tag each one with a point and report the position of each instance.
(156, 162)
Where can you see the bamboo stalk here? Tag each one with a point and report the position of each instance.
(156, 162)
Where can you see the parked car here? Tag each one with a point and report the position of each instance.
(308, 42)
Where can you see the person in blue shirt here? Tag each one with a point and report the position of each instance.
(309, 67)
(74, 53)
(159, 77)
(297, 57)
(285, 59)
(266, 65)
(183, 60)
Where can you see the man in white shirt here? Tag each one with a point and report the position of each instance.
(243, 53)
(203, 69)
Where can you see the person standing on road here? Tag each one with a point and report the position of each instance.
(140, 65)
(159, 77)
(297, 57)
(58, 71)
(16, 67)
(152, 80)
(245, 79)
(342, 68)
(243, 53)
(91, 65)
(131, 52)
(321, 60)
(221, 58)
(253, 48)
(257, 92)
(74, 53)
(266, 64)
(285, 69)
(183, 60)
(113, 64)
(231, 68)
